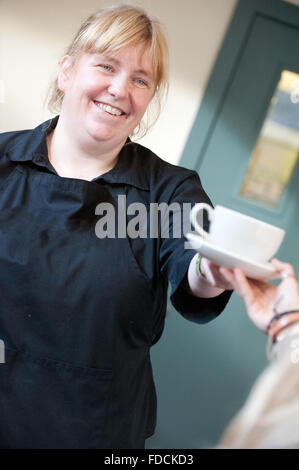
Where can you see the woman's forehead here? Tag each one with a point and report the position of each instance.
(138, 52)
(139, 57)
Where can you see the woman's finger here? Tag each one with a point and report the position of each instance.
(244, 286)
(228, 275)
(220, 280)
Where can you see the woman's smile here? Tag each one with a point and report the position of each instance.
(109, 109)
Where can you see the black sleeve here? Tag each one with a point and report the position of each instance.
(175, 258)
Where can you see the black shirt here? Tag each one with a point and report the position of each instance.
(79, 313)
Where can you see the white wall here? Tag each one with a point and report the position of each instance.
(35, 33)
(294, 2)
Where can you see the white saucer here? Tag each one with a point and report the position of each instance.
(221, 257)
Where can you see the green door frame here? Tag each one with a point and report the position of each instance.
(224, 69)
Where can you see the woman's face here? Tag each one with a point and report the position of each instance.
(106, 96)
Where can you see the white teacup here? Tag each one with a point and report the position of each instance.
(239, 233)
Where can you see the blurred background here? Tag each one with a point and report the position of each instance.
(34, 35)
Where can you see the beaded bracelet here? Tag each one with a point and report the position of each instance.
(278, 324)
(197, 266)
(277, 316)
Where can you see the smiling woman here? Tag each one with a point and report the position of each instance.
(79, 312)
(105, 33)
(117, 90)
(114, 67)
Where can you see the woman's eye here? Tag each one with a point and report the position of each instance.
(106, 67)
(141, 82)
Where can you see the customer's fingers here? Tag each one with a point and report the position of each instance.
(285, 269)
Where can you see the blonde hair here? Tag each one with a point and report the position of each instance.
(107, 31)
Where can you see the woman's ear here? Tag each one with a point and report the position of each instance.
(64, 72)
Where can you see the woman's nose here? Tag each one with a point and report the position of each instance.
(118, 87)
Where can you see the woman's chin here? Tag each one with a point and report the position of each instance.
(101, 133)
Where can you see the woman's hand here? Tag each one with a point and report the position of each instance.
(210, 283)
(261, 298)
(214, 276)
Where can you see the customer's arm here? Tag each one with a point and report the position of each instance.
(269, 417)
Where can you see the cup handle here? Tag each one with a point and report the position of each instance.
(193, 217)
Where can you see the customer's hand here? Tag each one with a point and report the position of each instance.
(261, 298)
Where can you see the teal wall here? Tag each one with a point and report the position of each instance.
(194, 376)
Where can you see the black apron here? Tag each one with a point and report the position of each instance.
(76, 319)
